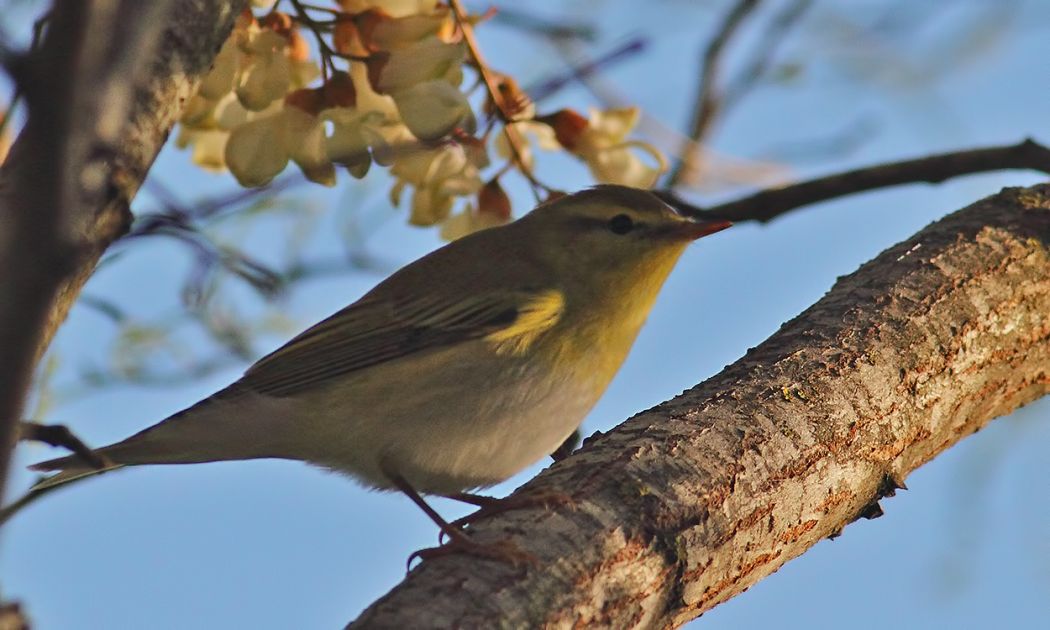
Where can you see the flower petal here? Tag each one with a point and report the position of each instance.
(255, 152)
(425, 60)
(432, 109)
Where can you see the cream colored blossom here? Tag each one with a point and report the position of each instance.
(208, 147)
(268, 76)
(258, 150)
(432, 109)
(396, 33)
(222, 77)
(391, 97)
(394, 8)
(354, 133)
(613, 159)
(425, 60)
(438, 176)
(368, 100)
(308, 146)
(468, 221)
(532, 132)
(253, 72)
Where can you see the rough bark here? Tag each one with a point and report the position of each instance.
(103, 93)
(690, 503)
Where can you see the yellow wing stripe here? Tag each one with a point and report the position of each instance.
(374, 331)
(537, 316)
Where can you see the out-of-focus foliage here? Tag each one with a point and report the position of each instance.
(382, 83)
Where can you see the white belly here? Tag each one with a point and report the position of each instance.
(435, 432)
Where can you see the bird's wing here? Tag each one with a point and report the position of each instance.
(373, 331)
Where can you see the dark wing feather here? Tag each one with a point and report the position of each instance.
(374, 331)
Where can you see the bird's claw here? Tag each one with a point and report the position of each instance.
(543, 498)
(500, 551)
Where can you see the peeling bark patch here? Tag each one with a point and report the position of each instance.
(834, 499)
(742, 572)
(796, 532)
(887, 452)
(755, 517)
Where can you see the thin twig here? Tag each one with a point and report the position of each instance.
(770, 40)
(303, 18)
(768, 204)
(580, 71)
(528, 22)
(514, 139)
(707, 104)
(59, 435)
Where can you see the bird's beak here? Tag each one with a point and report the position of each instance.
(692, 226)
(696, 228)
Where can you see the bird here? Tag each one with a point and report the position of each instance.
(454, 373)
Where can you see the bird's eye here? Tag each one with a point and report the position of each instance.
(621, 224)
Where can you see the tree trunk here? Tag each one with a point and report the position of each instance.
(103, 93)
(690, 503)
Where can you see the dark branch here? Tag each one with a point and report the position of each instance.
(59, 435)
(531, 23)
(763, 53)
(581, 71)
(706, 105)
(768, 204)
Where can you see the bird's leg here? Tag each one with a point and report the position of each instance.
(459, 542)
(567, 447)
(447, 528)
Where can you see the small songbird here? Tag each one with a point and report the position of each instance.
(454, 373)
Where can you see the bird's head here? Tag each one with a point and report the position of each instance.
(613, 230)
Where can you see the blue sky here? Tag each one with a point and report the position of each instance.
(277, 544)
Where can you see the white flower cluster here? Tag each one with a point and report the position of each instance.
(386, 89)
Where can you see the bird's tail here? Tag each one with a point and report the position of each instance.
(72, 469)
(151, 446)
(167, 442)
(214, 429)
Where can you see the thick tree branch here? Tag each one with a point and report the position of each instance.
(102, 96)
(768, 204)
(688, 504)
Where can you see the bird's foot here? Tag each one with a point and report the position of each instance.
(501, 551)
(543, 498)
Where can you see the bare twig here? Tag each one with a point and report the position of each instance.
(768, 204)
(529, 22)
(55, 435)
(763, 53)
(514, 139)
(706, 105)
(580, 71)
(59, 435)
